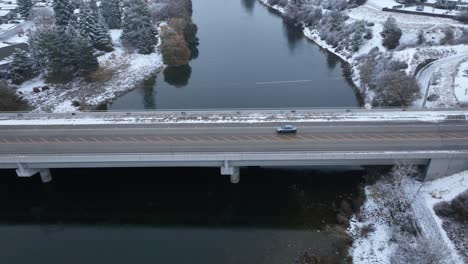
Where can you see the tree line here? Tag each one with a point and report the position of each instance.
(69, 46)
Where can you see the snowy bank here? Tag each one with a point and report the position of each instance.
(426, 196)
(379, 243)
(121, 72)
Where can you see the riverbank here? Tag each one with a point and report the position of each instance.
(374, 232)
(120, 71)
(430, 29)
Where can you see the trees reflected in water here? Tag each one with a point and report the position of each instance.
(149, 100)
(248, 5)
(294, 34)
(178, 76)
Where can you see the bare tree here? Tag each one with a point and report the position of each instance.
(396, 88)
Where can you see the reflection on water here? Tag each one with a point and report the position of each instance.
(177, 76)
(294, 35)
(148, 89)
(332, 60)
(176, 216)
(248, 59)
(249, 5)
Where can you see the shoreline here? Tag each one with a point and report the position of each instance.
(312, 35)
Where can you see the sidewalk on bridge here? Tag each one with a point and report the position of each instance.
(233, 117)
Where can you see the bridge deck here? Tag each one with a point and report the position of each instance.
(36, 145)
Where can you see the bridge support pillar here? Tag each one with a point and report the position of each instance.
(24, 171)
(439, 168)
(233, 172)
(46, 176)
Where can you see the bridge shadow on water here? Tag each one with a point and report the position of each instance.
(176, 215)
(265, 198)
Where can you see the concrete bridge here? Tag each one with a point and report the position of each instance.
(34, 143)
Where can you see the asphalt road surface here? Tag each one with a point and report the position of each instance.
(344, 136)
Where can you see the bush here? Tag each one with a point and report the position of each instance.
(391, 34)
(9, 101)
(449, 37)
(457, 209)
(366, 230)
(396, 88)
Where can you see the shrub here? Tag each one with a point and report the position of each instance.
(449, 37)
(457, 209)
(9, 100)
(396, 88)
(391, 34)
(366, 230)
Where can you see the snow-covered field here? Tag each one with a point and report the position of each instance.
(126, 70)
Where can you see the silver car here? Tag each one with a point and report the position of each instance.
(286, 129)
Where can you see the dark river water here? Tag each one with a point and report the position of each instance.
(173, 216)
(248, 58)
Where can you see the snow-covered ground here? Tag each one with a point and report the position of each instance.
(461, 83)
(378, 245)
(438, 81)
(125, 71)
(426, 195)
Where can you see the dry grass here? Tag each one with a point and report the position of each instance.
(100, 75)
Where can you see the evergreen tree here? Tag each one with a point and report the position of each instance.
(22, 67)
(103, 40)
(94, 7)
(61, 52)
(391, 34)
(86, 61)
(112, 13)
(138, 30)
(63, 12)
(94, 30)
(87, 24)
(24, 7)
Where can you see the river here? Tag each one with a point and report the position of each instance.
(248, 58)
(179, 216)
